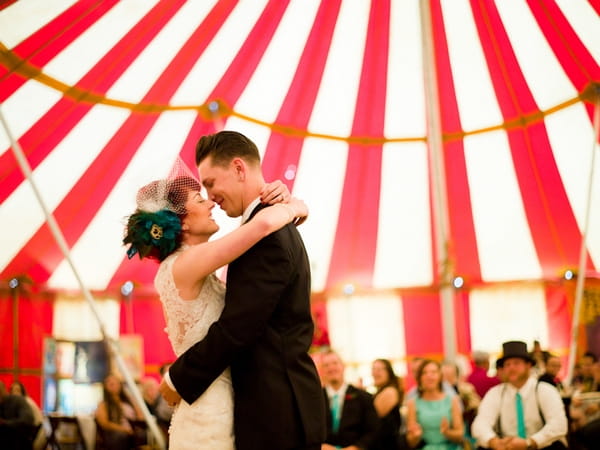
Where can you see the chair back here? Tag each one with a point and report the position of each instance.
(65, 431)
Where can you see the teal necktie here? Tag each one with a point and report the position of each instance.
(520, 417)
(335, 412)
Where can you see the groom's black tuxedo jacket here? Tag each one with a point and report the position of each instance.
(264, 334)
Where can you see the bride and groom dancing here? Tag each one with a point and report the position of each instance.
(243, 377)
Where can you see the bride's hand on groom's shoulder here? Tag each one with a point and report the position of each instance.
(171, 396)
(275, 192)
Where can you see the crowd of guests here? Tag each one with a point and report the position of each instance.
(522, 404)
(120, 423)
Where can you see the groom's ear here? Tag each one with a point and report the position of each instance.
(239, 167)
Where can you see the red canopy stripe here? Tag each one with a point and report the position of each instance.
(229, 88)
(423, 332)
(353, 255)
(235, 80)
(462, 315)
(534, 163)
(52, 128)
(55, 36)
(463, 252)
(558, 316)
(297, 107)
(77, 210)
(574, 57)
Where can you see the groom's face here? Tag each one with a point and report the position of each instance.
(223, 185)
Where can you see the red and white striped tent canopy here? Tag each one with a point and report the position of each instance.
(413, 130)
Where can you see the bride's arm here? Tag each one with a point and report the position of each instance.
(198, 261)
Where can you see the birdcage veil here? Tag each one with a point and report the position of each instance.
(154, 229)
(169, 193)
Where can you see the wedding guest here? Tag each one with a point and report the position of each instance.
(540, 356)
(585, 413)
(479, 376)
(520, 413)
(413, 392)
(466, 392)
(584, 380)
(114, 413)
(550, 374)
(387, 401)
(434, 419)
(16, 421)
(352, 421)
(17, 388)
(155, 402)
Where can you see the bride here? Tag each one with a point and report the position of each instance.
(173, 224)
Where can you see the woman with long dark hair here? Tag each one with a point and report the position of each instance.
(387, 401)
(113, 415)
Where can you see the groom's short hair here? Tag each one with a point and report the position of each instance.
(225, 145)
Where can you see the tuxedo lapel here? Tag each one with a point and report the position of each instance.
(349, 406)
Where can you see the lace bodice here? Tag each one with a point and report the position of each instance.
(188, 320)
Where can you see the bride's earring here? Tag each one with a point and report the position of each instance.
(185, 227)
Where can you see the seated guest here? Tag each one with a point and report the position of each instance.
(352, 421)
(585, 413)
(387, 401)
(520, 413)
(16, 421)
(499, 371)
(550, 374)
(466, 392)
(17, 388)
(413, 392)
(155, 402)
(434, 419)
(479, 377)
(584, 380)
(113, 415)
(539, 356)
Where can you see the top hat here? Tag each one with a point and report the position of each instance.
(515, 349)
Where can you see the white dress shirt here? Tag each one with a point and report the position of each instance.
(501, 400)
(253, 204)
(341, 395)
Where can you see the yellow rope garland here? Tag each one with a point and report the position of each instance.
(218, 109)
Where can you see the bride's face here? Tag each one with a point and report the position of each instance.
(199, 219)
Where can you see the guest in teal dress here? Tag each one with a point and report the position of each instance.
(434, 419)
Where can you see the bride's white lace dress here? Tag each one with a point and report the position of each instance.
(208, 422)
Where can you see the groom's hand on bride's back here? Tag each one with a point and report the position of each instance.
(171, 396)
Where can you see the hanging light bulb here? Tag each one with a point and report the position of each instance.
(127, 288)
(458, 282)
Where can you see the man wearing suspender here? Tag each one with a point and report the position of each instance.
(520, 413)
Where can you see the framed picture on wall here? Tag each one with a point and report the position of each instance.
(131, 350)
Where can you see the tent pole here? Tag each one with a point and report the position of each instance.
(62, 243)
(582, 253)
(439, 194)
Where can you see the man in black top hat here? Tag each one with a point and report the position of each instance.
(520, 413)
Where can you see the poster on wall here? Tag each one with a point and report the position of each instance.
(73, 375)
(131, 350)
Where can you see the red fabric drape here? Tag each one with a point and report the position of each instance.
(34, 323)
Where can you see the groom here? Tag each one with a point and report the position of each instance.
(266, 328)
